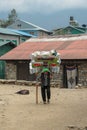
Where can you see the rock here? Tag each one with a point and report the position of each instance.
(23, 92)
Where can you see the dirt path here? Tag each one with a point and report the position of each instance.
(68, 107)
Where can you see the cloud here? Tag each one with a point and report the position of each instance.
(42, 6)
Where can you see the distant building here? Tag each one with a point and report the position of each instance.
(73, 22)
(9, 39)
(4, 48)
(13, 35)
(29, 28)
(71, 29)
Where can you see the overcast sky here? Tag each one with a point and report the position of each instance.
(46, 13)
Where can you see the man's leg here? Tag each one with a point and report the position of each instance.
(43, 94)
(48, 94)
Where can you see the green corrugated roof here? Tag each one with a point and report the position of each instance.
(6, 42)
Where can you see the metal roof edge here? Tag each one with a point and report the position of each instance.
(22, 33)
(82, 37)
(34, 25)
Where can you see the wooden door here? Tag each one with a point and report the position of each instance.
(23, 71)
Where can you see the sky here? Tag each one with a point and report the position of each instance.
(48, 14)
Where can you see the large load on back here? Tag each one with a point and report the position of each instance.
(40, 59)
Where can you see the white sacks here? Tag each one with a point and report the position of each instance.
(38, 58)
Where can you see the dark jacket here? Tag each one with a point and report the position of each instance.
(45, 79)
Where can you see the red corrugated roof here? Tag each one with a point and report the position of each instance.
(67, 49)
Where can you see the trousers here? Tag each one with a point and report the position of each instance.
(45, 92)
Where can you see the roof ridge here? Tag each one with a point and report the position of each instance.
(33, 25)
(57, 39)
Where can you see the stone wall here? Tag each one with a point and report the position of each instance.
(57, 80)
(11, 74)
(10, 71)
(82, 74)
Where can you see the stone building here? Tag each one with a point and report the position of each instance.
(73, 53)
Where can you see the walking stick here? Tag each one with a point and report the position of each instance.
(37, 93)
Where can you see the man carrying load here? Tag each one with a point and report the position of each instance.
(44, 63)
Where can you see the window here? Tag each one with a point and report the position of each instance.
(14, 41)
(1, 40)
(23, 39)
(8, 40)
(32, 33)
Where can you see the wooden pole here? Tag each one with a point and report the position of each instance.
(36, 93)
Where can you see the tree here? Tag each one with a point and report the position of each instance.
(3, 23)
(12, 16)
